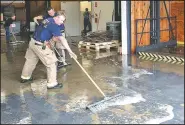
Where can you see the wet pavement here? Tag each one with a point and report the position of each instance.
(153, 92)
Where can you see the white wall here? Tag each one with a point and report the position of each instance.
(106, 8)
(124, 28)
(81, 21)
(72, 11)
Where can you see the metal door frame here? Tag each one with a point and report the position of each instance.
(155, 18)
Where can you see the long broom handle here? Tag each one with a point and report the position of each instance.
(90, 78)
(55, 49)
(83, 71)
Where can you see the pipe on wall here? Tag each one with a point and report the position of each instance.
(126, 26)
(128, 14)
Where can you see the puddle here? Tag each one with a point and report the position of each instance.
(77, 102)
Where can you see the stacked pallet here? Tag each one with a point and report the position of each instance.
(97, 55)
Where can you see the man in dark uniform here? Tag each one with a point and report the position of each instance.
(40, 48)
(8, 26)
(51, 13)
(87, 22)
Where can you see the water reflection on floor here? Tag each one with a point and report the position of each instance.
(153, 91)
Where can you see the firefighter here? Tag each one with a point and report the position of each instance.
(40, 48)
(87, 22)
(51, 13)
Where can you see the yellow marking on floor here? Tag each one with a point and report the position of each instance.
(167, 59)
(147, 54)
(180, 42)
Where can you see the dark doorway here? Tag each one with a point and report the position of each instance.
(117, 6)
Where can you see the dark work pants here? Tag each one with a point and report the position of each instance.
(87, 23)
(7, 34)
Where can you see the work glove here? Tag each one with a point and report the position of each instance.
(36, 21)
(72, 55)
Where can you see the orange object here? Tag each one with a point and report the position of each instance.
(96, 18)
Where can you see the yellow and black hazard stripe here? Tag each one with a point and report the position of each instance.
(156, 57)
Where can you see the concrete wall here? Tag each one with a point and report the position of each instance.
(106, 8)
(72, 11)
(81, 21)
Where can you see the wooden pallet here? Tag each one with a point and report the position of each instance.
(97, 55)
(99, 46)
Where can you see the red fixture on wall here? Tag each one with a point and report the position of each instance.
(96, 18)
(96, 4)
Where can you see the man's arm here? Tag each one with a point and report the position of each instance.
(66, 45)
(55, 30)
(37, 18)
(64, 42)
(91, 15)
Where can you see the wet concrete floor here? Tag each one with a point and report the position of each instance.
(153, 92)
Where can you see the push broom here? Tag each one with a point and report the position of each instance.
(15, 38)
(98, 105)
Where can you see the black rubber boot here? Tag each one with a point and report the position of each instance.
(26, 80)
(60, 65)
(58, 86)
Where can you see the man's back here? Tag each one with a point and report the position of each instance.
(86, 15)
(46, 30)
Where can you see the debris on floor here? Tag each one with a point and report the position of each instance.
(100, 36)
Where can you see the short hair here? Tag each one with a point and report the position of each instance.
(49, 8)
(61, 13)
(86, 9)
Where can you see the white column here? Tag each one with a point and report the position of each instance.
(124, 27)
